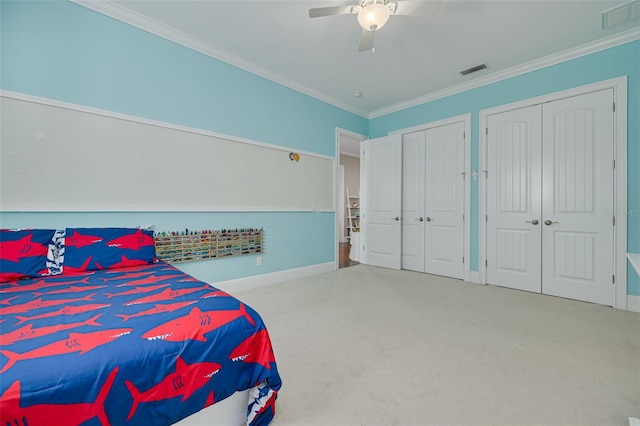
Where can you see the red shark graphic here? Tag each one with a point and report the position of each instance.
(167, 294)
(159, 309)
(256, 348)
(28, 332)
(7, 284)
(195, 325)
(11, 277)
(132, 241)
(57, 279)
(136, 290)
(67, 310)
(14, 413)
(39, 285)
(145, 267)
(39, 303)
(71, 270)
(125, 262)
(153, 279)
(217, 293)
(127, 276)
(78, 240)
(13, 251)
(77, 342)
(72, 289)
(8, 301)
(187, 379)
(210, 400)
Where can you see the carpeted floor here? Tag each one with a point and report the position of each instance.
(372, 346)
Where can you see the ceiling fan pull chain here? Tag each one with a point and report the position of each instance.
(371, 63)
(373, 50)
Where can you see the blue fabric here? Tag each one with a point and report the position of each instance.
(89, 249)
(147, 345)
(23, 253)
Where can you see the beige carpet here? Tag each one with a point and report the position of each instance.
(371, 346)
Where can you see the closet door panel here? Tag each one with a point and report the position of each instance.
(444, 200)
(413, 194)
(382, 202)
(514, 147)
(578, 193)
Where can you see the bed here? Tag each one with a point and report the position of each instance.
(94, 330)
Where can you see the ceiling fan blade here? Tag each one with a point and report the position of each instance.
(330, 11)
(366, 40)
(418, 7)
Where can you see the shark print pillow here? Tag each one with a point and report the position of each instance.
(23, 253)
(88, 249)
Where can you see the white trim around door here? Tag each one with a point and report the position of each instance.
(619, 86)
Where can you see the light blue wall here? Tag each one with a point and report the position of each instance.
(62, 51)
(610, 63)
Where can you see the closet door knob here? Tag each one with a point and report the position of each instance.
(429, 219)
(395, 218)
(534, 221)
(421, 219)
(549, 222)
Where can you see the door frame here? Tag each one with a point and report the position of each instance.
(466, 119)
(336, 191)
(619, 86)
(341, 206)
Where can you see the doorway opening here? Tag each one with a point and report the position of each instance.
(347, 194)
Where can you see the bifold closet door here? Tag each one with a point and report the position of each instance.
(577, 232)
(433, 200)
(444, 200)
(413, 194)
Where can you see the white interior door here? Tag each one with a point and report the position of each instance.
(413, 200)
(513, 221)
(381, 199)
(577, 259)
(444, 200)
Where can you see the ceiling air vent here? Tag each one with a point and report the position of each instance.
(473, 69)
(621, 15)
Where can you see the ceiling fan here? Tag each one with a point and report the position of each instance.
(373, 14)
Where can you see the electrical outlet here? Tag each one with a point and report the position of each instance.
(259, 260)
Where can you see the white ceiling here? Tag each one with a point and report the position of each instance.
(414, 56)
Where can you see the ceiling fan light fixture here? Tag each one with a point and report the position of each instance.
(373, 16)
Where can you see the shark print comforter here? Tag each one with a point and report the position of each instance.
(146, 345)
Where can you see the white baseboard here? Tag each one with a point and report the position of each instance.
(633, 303)
(263, 280)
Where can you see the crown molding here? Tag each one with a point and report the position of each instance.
(128, 16)
(123, 14)
(536, 64)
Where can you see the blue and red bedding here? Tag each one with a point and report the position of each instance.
(145, 344)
